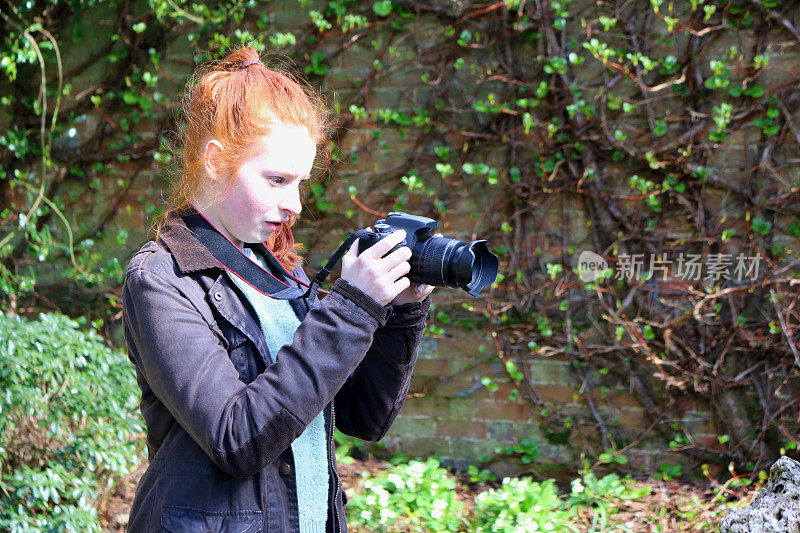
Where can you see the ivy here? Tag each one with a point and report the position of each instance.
(541, 125)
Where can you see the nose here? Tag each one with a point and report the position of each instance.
(291, 201)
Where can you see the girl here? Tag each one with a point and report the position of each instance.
(240, 390)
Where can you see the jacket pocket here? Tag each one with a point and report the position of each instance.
(181, 519)
(239, 352)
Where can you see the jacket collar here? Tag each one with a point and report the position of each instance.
(189, 253)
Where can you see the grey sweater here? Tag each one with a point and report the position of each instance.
(278, 323)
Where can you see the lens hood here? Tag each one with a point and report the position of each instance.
(483, 264)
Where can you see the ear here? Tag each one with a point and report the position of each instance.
(213, 147)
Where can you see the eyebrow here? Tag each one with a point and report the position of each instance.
(287, 175)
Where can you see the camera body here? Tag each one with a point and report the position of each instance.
(417, 229)
(437, 260)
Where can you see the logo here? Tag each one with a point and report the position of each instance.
(591, 266)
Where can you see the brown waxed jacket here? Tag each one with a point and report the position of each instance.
(220, 416)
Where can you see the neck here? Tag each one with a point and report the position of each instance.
(209, 215)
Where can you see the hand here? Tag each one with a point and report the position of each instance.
(381, 278)
(415, 293)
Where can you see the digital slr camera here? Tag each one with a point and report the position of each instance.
(437, 260)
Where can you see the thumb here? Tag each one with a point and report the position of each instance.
(351, 254)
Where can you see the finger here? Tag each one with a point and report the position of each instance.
(423, 290)
(400, 285)
(355, 246)
(353, 251)
(401, 269)
(396, 257)
(380, 248)
(438, 235)
(351, 254)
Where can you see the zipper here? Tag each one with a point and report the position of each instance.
(335, 474)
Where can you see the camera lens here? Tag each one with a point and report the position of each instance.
(452, 263)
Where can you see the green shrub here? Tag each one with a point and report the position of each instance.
(603, 496)
(415, 496)
(520, 504)
(68, 411)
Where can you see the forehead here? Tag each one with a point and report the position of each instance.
(287, 148)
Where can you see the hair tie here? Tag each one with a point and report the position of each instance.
(251, 62)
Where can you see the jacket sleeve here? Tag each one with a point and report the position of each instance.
(243, 427)
(372, 397)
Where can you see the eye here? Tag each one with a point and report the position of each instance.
(277, 180)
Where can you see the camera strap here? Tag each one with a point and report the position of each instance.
(319, 279)
(232, 259)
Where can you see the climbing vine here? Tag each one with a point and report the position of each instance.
(635, 130)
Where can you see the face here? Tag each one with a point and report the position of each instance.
(266, 190)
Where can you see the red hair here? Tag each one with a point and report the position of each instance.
(238, 104)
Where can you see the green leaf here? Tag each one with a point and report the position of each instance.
(130, 97)
(755, 91)
(382, 8)
(760, 226)
(145, 104)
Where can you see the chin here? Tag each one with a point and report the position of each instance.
(250, 239)
(264, 236)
